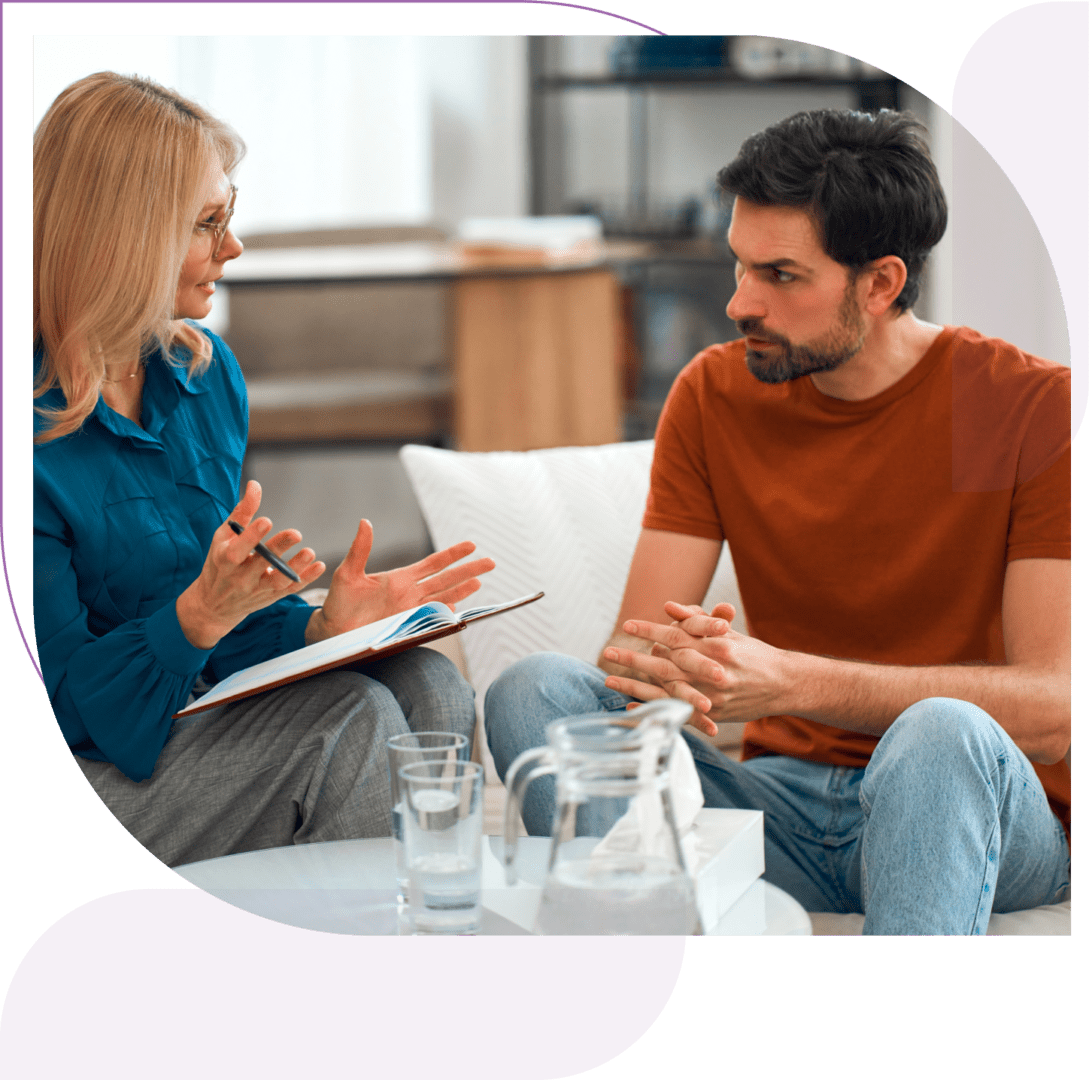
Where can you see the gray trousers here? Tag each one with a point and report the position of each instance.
(302, 763)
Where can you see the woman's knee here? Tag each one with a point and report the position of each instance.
(369, 703)
(436, 676)
(534, 670)
(431, 691)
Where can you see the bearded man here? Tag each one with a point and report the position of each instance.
(896, 497)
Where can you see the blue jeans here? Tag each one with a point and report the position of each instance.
(946, 824)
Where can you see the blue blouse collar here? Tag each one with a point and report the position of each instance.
(164, 384)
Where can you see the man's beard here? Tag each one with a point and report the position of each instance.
(786, 361)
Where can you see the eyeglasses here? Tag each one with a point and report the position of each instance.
(217, 229)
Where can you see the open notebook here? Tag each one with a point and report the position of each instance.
(371, 642)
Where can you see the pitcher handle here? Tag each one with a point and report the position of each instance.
(516, 787)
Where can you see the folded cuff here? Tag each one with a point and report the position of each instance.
(170, 646)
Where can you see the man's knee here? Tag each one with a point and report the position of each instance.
(945, 711)
(942, 726)
(538, 680)
(532, 693)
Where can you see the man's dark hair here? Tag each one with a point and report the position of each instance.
(867, 181)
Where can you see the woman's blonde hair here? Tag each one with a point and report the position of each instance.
(120, 166)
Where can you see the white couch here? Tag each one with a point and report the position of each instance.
(566, 521)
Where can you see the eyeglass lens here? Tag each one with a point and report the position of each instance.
(221, 229)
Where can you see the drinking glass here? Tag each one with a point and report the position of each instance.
(443, 819)
(408, 749)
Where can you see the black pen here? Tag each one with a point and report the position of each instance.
(267, 555)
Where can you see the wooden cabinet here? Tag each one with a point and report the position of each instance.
(536, 361)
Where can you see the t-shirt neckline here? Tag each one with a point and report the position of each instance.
(903, 386)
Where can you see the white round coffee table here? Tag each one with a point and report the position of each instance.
(346, 886)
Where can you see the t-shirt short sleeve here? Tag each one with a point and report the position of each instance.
(1040, 511)
(681, 498)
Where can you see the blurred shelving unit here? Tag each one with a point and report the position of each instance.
(633, 130)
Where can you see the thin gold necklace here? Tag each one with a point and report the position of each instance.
(125, 378)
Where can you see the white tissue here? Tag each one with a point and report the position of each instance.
(643, 827)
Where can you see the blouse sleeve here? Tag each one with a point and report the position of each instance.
(117, 690)
(120, 690)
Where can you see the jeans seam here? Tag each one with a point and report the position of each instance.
(990, 871)
(1062, 893)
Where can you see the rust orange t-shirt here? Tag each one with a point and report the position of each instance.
(873, 530)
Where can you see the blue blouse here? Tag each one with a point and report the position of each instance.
(123, 519)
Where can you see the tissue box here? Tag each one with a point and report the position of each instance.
(726, 853)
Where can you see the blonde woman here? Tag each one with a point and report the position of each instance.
(142, 593)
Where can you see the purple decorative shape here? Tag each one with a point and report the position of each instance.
(1022, 91)
(187, 985)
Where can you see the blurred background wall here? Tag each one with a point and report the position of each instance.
(350, 132)
(340, 131)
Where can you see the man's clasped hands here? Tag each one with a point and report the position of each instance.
(699, 658)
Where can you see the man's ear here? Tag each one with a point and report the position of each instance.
(884, 280)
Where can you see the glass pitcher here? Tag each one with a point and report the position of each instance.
(616, 865)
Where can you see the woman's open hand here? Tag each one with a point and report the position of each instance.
(357, 598)
(234, 581)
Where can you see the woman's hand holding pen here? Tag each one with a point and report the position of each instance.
(356, 597)
(235, 580)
